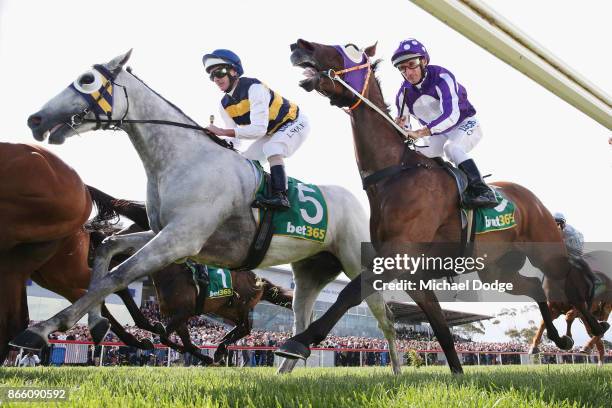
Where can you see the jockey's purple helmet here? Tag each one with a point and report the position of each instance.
(409, 49)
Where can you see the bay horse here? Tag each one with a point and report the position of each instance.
(178, 292)
(417, 202)
(198, 201)
(43, 207)
(601, 265)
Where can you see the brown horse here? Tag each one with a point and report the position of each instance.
(600, 307)
(415, 201)
(43, 206)
(177, 292)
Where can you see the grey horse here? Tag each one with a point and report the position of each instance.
(198, 202)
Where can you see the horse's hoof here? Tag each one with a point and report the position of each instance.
(99, 330)
(584, 350)
(534, 350)
(565, 343)
(206, 361)
(29, 339)
(292, 349)
(219, 356)
(146, 344)
(159, 329)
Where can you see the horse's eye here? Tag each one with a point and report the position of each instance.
(87, 79)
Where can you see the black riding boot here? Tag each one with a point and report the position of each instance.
(279, 200)
(478, 193)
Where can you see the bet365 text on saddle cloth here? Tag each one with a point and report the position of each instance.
(307, 217)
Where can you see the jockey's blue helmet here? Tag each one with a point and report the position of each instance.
(409, 49)
(222, 57)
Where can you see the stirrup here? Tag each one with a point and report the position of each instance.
(478, 201)
(278, 201)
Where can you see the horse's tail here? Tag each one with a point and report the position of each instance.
(276, 295)
(110, 208)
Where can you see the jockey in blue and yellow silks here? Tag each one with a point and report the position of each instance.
(251, 110)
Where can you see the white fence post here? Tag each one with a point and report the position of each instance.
(101, 355)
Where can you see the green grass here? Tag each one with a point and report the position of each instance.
(508, 386)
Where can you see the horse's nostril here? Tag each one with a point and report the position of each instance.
(34, 121)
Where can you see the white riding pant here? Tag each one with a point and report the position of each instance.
(454, 144)
(284, 142)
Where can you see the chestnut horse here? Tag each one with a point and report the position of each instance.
(600, 307)
(417, 202)
(43, 206)
(177, 293)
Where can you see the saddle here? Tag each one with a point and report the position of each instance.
(199, 272)
(468, 231)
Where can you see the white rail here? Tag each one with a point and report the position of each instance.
(486, 28)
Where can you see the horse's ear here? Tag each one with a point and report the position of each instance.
(371, 50)
(118, 62)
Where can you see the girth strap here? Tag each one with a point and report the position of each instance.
(263, 236)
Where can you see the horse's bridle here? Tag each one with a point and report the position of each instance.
(94, 104)
(117, 124)
(336, 76)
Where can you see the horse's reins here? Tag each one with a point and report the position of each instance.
(78, 118)
(408, 141)
(334, 75)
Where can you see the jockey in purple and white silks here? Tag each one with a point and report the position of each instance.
(253, 111)
(431, 94)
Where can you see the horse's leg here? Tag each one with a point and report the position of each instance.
(242, 329)
(427, 301)
(13, 310)
(159, 252)
(570, 316)
(189, 347)
(72, 294)
(350, 258)
(310, 276)
(537, 339)
(351, 295)
(574, 279)
(175, 322)
(139, 319)
(110, 247)
(528, 286)
(126, 337)
(600, 350)
(68, 274)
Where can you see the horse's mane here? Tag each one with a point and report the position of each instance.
(374, 68)
(129, 71)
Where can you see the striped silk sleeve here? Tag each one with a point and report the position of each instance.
(449, 105)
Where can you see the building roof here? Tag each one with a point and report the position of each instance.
(411, 313)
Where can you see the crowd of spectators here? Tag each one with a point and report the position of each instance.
(204, 331)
